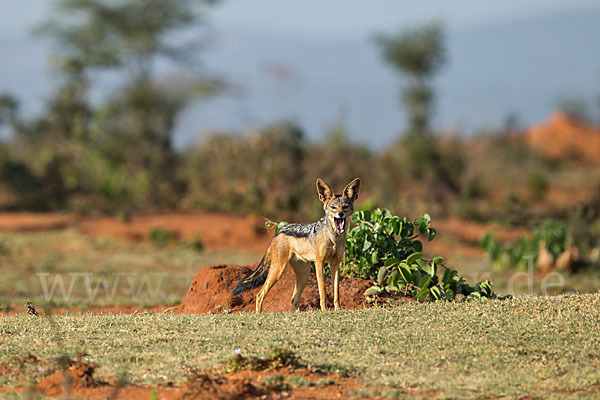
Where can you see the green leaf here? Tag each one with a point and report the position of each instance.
(447, 278)
(426, 267)
(422, 294)
(392, 289)
(361, 215)
(417, 245)
(438, 260)
(417, 277)
(366, 245)
(425, 283)
(373, 290)
(374, 258)
(381, 275)
(394, 277)
(391, 261)
(414, 257)
(406, 273)
(474, 296)
(436, 293)
(397, 224)
(431, 233)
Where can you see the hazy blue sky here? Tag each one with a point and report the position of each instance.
(359, 17)
(505, 57)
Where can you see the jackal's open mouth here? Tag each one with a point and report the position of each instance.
(340, 224)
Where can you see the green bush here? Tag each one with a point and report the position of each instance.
(377, 236)
(387, 249)
(4, 250)
(162, 237)
(196, 244)
(538, 185)
(552, 234)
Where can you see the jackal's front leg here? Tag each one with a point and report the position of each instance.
(321, 284)
(335, 273)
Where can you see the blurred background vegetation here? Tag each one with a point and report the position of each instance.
(115, 154)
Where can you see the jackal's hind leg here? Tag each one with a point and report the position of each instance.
(302, 272)
(277, 268)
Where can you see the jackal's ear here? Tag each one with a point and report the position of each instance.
(325, 191)
(351, 191)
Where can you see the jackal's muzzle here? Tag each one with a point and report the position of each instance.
(340, 224)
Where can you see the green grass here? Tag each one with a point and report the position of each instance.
(545, 347)
(155, 275)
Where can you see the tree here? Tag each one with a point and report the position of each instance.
(9, 107)
(121, 147)
(418, 54)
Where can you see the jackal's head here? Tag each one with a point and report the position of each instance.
(338, 207)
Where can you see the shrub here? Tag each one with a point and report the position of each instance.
(387, 249)
(195, 244)
(161, 237)
(584, 232)
(552, 234)
(377, 236)
(276, 358)
(538, 185)
(4, 250)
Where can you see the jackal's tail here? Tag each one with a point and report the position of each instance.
(256, 278)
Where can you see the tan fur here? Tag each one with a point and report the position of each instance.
(327, 246)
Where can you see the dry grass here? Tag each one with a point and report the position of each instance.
(117, 272)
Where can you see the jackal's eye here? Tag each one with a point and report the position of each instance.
(345, 206)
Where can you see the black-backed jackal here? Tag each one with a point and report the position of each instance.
(299, 244)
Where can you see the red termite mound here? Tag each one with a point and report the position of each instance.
(211, 291)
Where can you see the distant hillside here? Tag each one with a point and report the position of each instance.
(561, 137)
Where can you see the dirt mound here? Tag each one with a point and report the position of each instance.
(211, 289)
(277, 383)
(561, 137)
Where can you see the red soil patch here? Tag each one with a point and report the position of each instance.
(5, 370)
(470, 232)
(250, 384)
(218, 231)
(211, 290)
(78, 376)
(78, 381)
(561, 137)
(108, 309)
(22, 222)
(222, 231)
